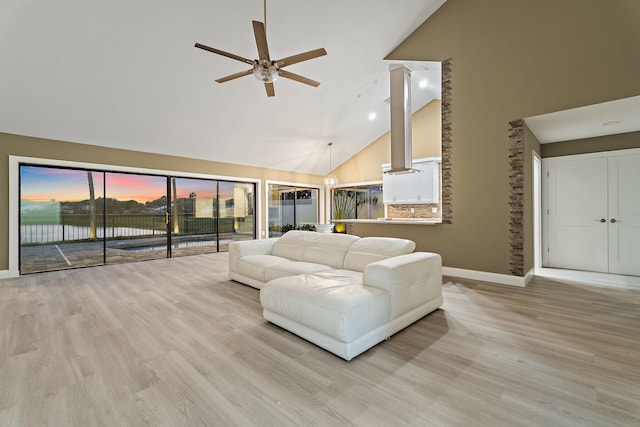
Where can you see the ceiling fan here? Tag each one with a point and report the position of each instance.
(263, 68)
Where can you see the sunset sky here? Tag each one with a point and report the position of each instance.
(41, 184)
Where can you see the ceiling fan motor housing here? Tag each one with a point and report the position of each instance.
(266, 72)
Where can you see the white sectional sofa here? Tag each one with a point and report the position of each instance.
(341, 292)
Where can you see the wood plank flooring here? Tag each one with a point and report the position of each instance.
(172, 342)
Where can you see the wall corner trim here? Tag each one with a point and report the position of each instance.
(484, 276)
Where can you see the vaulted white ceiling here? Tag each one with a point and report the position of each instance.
(125, 74)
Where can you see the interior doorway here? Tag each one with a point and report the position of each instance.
(537, 212)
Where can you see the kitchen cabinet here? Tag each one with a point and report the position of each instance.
(413, 188)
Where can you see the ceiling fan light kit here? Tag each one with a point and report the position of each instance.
(263, 68)
(266, 73)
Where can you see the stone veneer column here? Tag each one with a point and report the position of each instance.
(446, 181)
(516, 197)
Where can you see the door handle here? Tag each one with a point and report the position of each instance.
(613, 220)
(601, 220)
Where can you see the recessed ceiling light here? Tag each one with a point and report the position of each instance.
(611, 123)
(372, 116)
(423, 83)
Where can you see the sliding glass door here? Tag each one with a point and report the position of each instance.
(60, 218)
(135, 217)
(77, 218)
(236, 212)
(194, 228)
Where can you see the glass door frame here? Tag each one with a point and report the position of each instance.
(14, 193)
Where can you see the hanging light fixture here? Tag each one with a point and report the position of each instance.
(330, 180)
(266, 72)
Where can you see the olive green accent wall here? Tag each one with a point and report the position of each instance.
(622, 141)
(513, 59)
(50, 149)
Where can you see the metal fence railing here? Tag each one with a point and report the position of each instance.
(76, 227)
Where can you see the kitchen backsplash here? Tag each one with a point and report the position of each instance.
(414, 211)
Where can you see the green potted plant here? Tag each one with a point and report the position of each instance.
(343, 208)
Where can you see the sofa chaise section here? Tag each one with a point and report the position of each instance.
(346, 313)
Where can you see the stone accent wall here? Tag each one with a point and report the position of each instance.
(516, 197)
(447, 140)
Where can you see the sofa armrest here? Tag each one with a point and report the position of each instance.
(412, 280)
(243, 248)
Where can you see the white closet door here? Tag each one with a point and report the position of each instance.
(624, 214)
(578, 214)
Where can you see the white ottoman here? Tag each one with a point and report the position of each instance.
(331, 309)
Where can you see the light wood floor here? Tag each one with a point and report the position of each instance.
(174, 343)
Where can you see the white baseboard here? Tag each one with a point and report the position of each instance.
(503, 279)
(4, 274)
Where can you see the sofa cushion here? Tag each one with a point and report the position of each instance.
(328, 302)
(372, 249)
(356, 276)
(254, 266)
(292, 244)
(292, 268)
(329, 249)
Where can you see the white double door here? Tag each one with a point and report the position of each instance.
(592, 219)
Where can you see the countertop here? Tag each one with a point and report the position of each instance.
(416, 221)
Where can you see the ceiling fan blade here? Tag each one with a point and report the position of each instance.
(261, 41)
(223, 53)
(270, 90)
(298, 78)
(234, 76)
(294, 59)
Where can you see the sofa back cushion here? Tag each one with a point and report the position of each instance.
(372, 249)
(328, 249)
(292, 244)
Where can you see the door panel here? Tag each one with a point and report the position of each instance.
(193, 218)
(624, 214)
(135, 217)
(577, 205)
(60, 218)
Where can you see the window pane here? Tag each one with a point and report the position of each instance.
(344, 204)
(60, 218)
(244, 211)
(369, 202)
(292, 208)
(193, 219)
(306, 208)
(136, 208)
(236, 210)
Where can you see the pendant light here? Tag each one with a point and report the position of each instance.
(330, 180)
